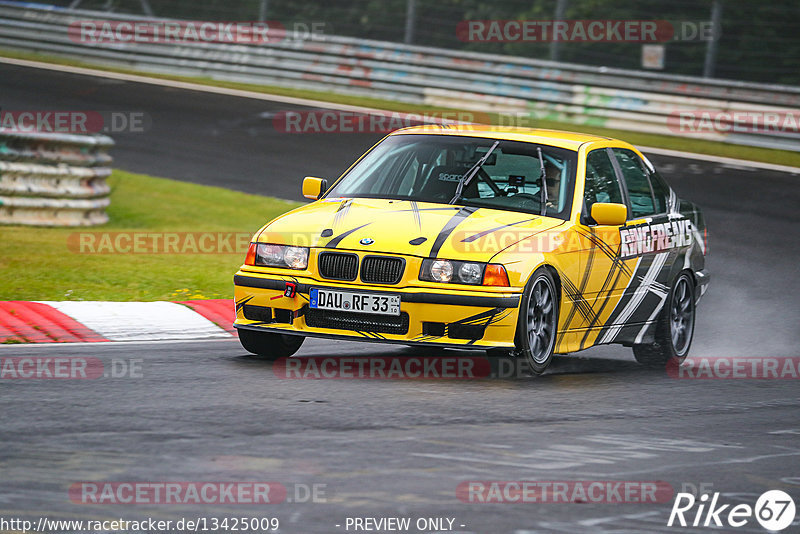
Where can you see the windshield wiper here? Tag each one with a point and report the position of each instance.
(543, 178)
(466, 178)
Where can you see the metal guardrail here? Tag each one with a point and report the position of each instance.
(526, 88)
(53, 179)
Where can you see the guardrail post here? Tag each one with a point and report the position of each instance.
(555, 46)
(411, 16)
(711, 49)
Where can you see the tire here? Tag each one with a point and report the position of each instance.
(674, 327)
(269, 346)
(538, 319)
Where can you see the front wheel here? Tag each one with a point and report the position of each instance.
(538, 318)
(674, 327)
(268, 345)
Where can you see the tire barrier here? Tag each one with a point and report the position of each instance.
(53, 179)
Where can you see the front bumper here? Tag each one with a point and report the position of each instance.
(455, 318)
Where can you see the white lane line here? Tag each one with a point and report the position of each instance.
(467, 459)
(672, 467)
(341, 107)
(720, 159)
(140, 321)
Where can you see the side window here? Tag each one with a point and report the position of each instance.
(601, 180)
(638, 182)
(660, 192)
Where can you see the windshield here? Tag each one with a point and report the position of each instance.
(427, 168)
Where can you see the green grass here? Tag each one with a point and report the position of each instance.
(781, 157)
(40, 263)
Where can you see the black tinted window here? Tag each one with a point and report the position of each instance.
(660, 192)
(601, 181)
(638, 182)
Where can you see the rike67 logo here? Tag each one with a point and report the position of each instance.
(774, 510)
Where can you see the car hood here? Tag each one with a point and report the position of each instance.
(405, 227)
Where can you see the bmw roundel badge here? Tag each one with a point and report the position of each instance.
(367, 241)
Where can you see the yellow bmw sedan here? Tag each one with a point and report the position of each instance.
(524, 241)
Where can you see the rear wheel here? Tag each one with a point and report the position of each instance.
(538, 317)
(674, 327)
(268, 345)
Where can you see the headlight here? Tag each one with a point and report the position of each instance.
(296, 257)
(451, 271)
(268, 255)
(470, 273)
(442, 270)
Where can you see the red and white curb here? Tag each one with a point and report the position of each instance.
(95, 321)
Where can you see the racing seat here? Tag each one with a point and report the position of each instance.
(442, 183)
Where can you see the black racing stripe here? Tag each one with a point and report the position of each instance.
(582, 288)
(417, 218)
(478, 317)
(645, 264)
(579, 302)
(341, 211)
(635, 283)
(338, 239)
(479, 235)
(606, 249)
(240, 304)
(454, 221)
(649, 303)
(603, 299)
(458, 300)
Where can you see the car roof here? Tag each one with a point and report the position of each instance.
(557, 138)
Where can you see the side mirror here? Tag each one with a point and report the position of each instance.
(609, 214)
(314, 187)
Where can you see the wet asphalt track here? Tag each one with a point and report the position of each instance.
(208, 411)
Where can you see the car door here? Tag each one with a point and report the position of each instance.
(605, 275)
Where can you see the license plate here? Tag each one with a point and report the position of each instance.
(351, 301)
